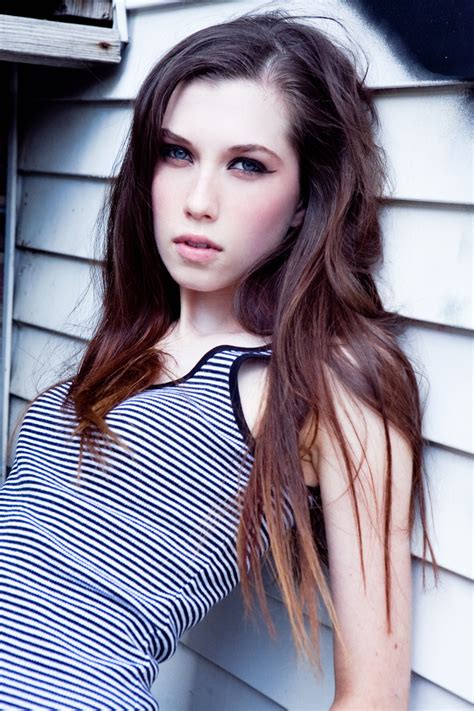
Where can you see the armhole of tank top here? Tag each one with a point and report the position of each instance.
(235, 396)
(314, 492)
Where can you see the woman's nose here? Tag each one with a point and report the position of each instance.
(201, 200)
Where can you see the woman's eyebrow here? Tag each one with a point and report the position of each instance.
(242, 148)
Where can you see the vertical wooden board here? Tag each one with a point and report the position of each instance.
(41, 359)
(426, 135)
(442, 631)
(58, 214)
(85, 140)
(451, 487)
(226, 639)
(55, 293)
(426, 696)
(189, 682)
(428, 263)
(443, 361)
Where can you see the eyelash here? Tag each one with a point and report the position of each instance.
(260, 168)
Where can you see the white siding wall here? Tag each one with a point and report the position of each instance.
(73, 126)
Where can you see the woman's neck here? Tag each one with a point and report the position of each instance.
(204, 314)
(207, 319)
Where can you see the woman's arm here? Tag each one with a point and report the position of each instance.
(375, 674)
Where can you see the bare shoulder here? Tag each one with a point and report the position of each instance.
(363, 430)
(322, 458)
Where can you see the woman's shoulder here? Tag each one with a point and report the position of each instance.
(361, 424)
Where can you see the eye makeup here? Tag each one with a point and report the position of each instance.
(240, 148)
(257, 166)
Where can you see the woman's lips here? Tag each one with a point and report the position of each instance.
(196, 254)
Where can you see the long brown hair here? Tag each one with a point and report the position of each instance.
(315, 295)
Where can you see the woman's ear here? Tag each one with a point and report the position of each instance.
(298, 215)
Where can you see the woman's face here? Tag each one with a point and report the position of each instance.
(210, 183)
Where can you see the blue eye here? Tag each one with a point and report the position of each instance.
(255, 165)
(169, 150)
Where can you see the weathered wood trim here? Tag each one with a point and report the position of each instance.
(24, 39)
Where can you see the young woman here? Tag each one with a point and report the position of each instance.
(244, 398)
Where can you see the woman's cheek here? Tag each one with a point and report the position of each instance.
(272, 216)
(162, 189)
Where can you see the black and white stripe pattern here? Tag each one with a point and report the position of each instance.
(99, 579)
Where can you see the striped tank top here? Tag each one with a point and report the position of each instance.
(99, 579)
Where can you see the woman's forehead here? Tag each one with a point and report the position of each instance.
(229, 111)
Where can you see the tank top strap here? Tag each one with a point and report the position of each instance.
(214, 381)
(215, 366)
(221, 364)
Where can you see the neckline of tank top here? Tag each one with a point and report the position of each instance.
(204, 358)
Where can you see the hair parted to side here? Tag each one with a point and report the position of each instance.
(315, 295)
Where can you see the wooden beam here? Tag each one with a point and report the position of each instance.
(24, 39)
